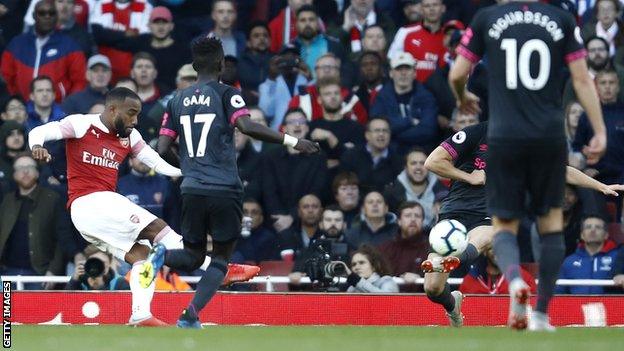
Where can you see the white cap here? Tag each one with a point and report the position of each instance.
(98, 60)
(402, 59)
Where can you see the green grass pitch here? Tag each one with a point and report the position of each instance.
(224, 338)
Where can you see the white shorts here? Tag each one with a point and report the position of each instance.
(109, 221)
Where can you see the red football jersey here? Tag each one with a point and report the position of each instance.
(94, 154)
(427, 48)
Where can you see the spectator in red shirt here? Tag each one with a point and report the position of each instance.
(282, 27)
(486, 278)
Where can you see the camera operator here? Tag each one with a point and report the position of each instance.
(370, 272)
(96, 273)
(331, 241)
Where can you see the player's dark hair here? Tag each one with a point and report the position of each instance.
(595, 37)
(306, 8)
(409, 204)
(344, 178)
(255, 24)
(38, 79)
(378, 262)
(142, 55)
(207, 55)
(376, 118)
(120, 94)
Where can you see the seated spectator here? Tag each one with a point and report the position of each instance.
(332, 235)
(369, 272)
(170, 53)
(573, 112)
(606, 25)
(33, 223)
(145, 188)
(258, 242)
(253, 64)
(594, 258)
(12, 144)
(359, 15)
(63, 61)
(374, 40)
(283, 82)
(486, 278)
(335, 132)
(307, 174)
(410, 246)
(224, 16)
(13, 109)
(98, 76)
(372, 77)
(299, 235)
(610, 168)
(97, 273)
(328, 66)
(144, 73)
(376, 224)
(68, 25)
(41, 108)
(256, 115)
(114, 18)
(346, 192)
(410, 108)
(375, 163)
(415, 183)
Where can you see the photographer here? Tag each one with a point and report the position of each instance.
(370, 272)
(96, 273)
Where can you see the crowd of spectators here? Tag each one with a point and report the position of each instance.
(366, 79)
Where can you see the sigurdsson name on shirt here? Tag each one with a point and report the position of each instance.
(525, 17)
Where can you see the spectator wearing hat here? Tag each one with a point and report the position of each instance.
(60, 57)
(286, 78)
(425, 40)
(224, 16)
(170, 54)
(253, 64)
(99, 76)
(410, 108)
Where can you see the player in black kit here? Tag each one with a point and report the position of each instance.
(204, 116)
(527, 44)
(462, 158)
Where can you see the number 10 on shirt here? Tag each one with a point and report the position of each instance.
(206, 120)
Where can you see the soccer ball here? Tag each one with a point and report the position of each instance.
(448, 237)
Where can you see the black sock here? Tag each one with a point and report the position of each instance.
(469, 255)
(445, 298)
(507, 254)
(552, 253)
(208, 285)
(180, 259)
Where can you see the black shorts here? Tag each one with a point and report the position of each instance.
(220, 217)
(469, 220)
(524, 174)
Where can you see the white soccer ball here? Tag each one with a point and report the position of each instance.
(448, 237)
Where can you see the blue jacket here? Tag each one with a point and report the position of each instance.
(34, 120)
(405, 132)
(580, 265)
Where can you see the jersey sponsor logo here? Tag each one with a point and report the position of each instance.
(134, 219)
(97, 135)
(479, 163)
(459, 137)
(124, 142)
(237, 101)
(416, 42)
(196, 100)
(106, 160)
(525, 17)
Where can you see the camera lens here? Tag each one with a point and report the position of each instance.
(94, 267)
(333, 269)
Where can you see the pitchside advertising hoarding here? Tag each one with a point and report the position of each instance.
(302, 309)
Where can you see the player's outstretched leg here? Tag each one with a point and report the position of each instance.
(141, 296)
(438, 291)
(440, 264)
(208, 284)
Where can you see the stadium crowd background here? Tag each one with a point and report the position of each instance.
(367, 79)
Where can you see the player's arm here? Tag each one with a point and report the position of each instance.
(588, 97)
(149, 157)
(260, 132)
(166, 151)
(440, 162)
(51, 131)
(578, 178)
